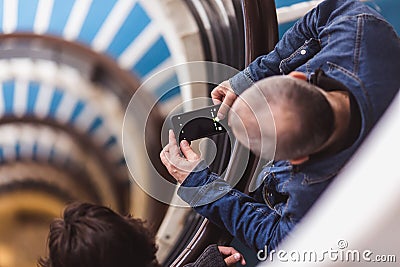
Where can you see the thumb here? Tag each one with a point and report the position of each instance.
(188, 151)
(232, 259)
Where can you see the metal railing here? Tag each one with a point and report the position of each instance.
(252, 32)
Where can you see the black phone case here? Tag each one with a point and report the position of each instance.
(198, 124)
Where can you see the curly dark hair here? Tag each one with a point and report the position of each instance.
(92, 235)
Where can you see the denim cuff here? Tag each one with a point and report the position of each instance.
(195, 177)
(241, 81)
(202, 187)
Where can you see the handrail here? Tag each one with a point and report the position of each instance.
(261, 35)
(261, 27)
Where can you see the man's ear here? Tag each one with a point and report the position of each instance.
(299, 161)
(298, 75)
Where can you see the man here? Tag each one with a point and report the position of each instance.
(92, 235)
(345, 58)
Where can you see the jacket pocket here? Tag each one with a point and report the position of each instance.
(309, 180)
(299, 57)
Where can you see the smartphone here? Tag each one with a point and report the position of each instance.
(198, 124)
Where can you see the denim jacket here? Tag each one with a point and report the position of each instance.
(352, 44)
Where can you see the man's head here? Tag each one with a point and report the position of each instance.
(286, 111)
(91, 235)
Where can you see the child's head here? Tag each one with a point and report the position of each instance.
(91, 235)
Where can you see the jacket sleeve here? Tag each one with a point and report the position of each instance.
(268, 65)
(252, 222)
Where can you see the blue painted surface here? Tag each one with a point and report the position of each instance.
(96, 123)
(168, 89)
(157, 53)
(136, 21)
(8, 94)
(282, 3)
(284, 27)
(390, 9)
(112, 141)
(35, 150)
(60, 15)
(79, 106)
(55, 102)
(33, 91)
(1, 155)
(26, 14)
(17, 148)
(134, 24)
(95, 18)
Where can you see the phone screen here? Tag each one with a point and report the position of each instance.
(197, 124)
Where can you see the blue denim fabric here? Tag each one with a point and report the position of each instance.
(351, 43)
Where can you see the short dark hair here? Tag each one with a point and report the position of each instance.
(302, 118)
(92, 235)
(312, 115)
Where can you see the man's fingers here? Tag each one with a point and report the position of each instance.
(231, 260)
(218, 93)
(178, 166)
(164, 159)
(234, 256)
(226, 105)
(166, 148)
(188, 152)
(172, 146)
(171, 138)
(216, 101)
(227, 250)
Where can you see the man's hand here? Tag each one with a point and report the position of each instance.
(232, 256)
(179, 167)
(223, 94)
